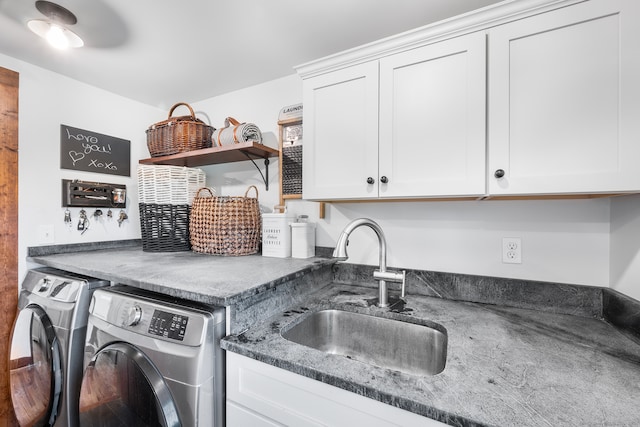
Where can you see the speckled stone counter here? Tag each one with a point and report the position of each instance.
(250, 286)
(506, 366)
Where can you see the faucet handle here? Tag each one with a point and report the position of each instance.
(392, 276)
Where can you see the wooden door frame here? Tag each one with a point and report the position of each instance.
(9, 82)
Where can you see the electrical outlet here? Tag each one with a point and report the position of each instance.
(512, 250)
(45, 234)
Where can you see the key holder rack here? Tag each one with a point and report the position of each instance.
(88, 194)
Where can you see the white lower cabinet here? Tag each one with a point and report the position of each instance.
(241, 416)
(262, 395)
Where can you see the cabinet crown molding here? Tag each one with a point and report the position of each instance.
(477, 20)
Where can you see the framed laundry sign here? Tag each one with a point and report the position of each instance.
(89, 151)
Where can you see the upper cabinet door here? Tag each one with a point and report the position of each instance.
(340, 149)
(433, 121)
(564, 92)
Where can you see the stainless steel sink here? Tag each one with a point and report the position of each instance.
(403, 346)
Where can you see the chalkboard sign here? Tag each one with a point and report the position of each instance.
(94, 152)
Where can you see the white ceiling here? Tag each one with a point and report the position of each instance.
(161, 52)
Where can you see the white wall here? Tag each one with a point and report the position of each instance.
(47, 100)
(562, 241)
(625, 245)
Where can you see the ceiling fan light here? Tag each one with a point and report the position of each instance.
(57, 38)
(56, 35)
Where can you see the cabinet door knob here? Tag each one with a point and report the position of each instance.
(384, 179)
(499, 173)
(370, 180)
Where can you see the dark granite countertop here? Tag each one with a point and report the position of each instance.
(505, 366)
(215, 280)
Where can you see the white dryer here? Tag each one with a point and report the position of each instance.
(47, 343)
(151, 360)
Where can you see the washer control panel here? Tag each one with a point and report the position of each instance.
(156, 319)
(58, 288)
(168, 325)
(59, 285)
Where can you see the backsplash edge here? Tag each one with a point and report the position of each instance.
(560, 298)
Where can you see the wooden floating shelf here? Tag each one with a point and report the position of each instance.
(215, 155)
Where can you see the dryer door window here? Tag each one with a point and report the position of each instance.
(35, 368)
(122, 387)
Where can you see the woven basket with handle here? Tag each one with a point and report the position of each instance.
(178, 134)
(225, 225)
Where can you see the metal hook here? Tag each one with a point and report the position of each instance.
(83, 222)
(123, 215)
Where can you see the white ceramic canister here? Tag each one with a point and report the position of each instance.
(276, 234)
(303, 239)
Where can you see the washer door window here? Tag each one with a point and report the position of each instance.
(122, 387)
(35, 368)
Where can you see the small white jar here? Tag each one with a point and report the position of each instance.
(303, 239)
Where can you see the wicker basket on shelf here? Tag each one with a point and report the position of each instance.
(225, 225)
(175, 185)
(178, 134)
(165, 194)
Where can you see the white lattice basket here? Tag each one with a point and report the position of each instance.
(174, 185)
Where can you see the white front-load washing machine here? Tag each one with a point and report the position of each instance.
(47, 346)
(152, 360)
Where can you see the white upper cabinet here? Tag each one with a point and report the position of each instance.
(415, 130)
(564, 100)
(530, 97)
(340, 149)
(432, 120)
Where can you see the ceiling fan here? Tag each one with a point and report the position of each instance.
(55, 29)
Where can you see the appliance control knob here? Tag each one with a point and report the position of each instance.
(45, 285)
(134, 316)
(499, 173)
(370, 180)
(384, 179)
